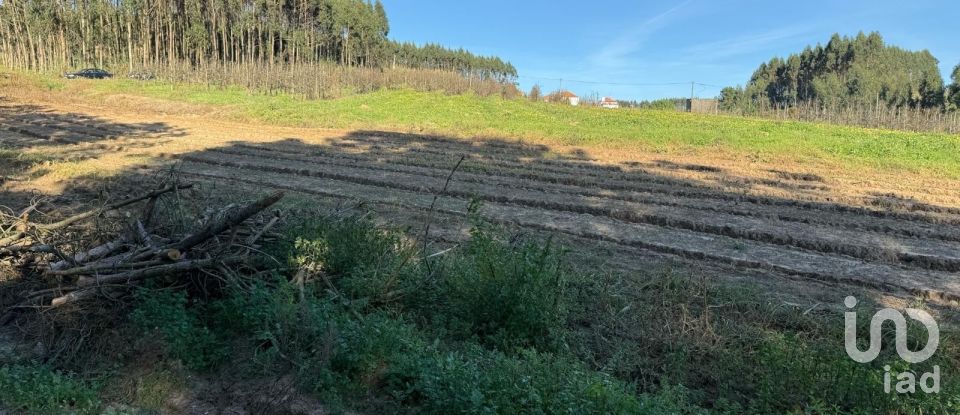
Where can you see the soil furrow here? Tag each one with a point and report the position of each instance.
(936, 255)
(787, 214)
(533, 171)
(830, 268)
(656, 172)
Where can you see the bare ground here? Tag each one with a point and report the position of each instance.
(808, 232)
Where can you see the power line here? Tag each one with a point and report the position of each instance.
(608, 83)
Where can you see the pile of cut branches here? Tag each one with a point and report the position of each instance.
(135, 252)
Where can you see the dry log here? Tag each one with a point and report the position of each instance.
(228, 221)
(27, 245)
(139, 255)
(99, 267)
(12, 238)
(144, 236)
(253, 239)
(155, 271)
(15, 247)
(74, 297)
(94, 253)
(214, 228)
(88, 288)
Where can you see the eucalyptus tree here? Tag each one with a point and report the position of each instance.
(52, 34)
(861, 70)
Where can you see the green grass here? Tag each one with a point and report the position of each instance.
(13, 162)
(647, 130)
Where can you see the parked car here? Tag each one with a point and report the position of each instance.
(90, 73)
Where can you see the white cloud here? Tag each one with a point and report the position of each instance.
(744, 45)
(616, 54)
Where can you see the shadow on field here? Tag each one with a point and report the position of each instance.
(670, 207)
(38, 126)
(490, 155)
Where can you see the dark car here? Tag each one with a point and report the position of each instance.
(90, 73)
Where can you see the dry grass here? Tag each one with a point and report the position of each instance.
(326, 81)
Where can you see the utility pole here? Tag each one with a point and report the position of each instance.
(561, 85)
(690, 107)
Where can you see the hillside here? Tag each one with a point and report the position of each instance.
(637, 130)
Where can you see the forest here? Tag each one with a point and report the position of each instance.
(860, 71)
(51, 35)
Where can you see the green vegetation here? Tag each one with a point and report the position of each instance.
(164, 314)
(381, 323)
(158, 33)
(362, 321)
(953, 92)
(491, 329)
(15, 161)
(666, 104)
(647, 130)
(38, 389)
(847, 71)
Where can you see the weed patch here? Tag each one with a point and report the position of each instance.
(165, 313)
(508, 296)
(38, 389)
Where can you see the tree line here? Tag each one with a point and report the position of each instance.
(58, 34)
(858, 71)
(953, 92)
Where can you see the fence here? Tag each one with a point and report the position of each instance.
(872, 116)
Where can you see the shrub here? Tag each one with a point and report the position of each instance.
(792, 372)
(180, 329)
(735, 351)
(508, 295)
(333, 349)
(366, 263)
(481, 381)
(340, 354)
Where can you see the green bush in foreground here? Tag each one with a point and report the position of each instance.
(37, 389)
(165, 313)
(508, 296)
(486, 329)
(480, 381)
(342, 355)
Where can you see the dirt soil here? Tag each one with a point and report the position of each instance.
(806, 233)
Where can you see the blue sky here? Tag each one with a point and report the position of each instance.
(659, 42)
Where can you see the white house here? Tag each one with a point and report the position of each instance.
(609, 102)
(572, 98)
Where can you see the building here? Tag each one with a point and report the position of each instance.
(563, 97)
(570, 97)
(707, 106)
(609, 102)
